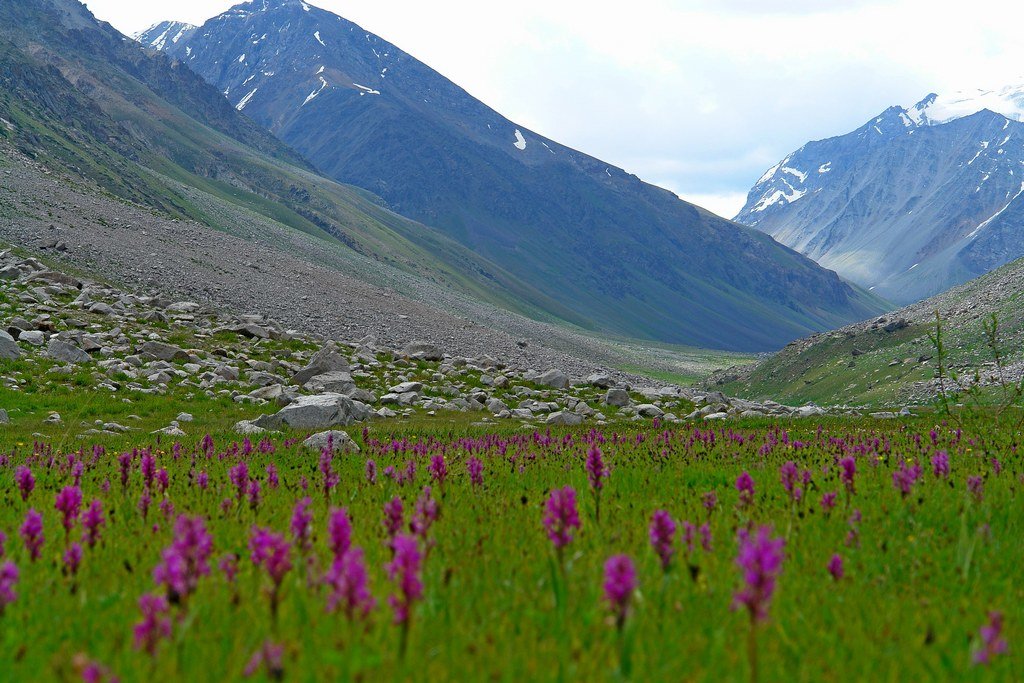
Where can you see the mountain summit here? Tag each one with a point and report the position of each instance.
(627, 257)
(915, 201)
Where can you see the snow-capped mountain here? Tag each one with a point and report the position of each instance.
(911, 203)
(627, 257)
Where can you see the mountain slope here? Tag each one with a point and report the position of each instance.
(86, 101)
(890, 361)
(909, 204)
(630, 257)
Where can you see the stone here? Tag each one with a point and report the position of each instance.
(556, 379)
(66, 352)
(102, 309)
(319, 411)
(601, 381)
(4, 417)
(250, 330)
(809, 411)
(56, 278)
(185, 417)
(564, 418)
(336, 381)
(419, 350)
(496, 405)
(323, 361)
(248, 428)
(8, 347)
(406, 387)
(341, 442)
(617, 397)
(162, 351)
(649, 410)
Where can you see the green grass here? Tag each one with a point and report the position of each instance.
(918, 583)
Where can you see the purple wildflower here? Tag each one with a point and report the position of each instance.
(940, 465)
(349, 584)
(69, 504)
(202, 480)
(147, 467)
(705, 536)
(144, 502)
(239, 477)
(371, 472)
(976, 487)
(596, 470)
(789, 475)
(270, 657)
(300, 524)
(828, 501)
(72, 559)
(254, 494)
(32, 531)
(662, 532)
(745, 486)
(25, 480)
(848, 473)
(424, 514)
(475, 467)
(163, 480)
(273, 480)
(835, 566)
(404, 571)
(92, 520)
(710, 501)
(561, 516)
(619, 584)
(992, 641)
(339, 530)
(393, 516)
(905, 477)
(228, 565)
(155, 623)
(438, 469)
(8, 579)
(760, 557)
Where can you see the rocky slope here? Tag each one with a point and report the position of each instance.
(911, 203)
(624, 256)
(891, 361)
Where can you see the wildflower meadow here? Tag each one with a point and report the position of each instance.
(850, 550)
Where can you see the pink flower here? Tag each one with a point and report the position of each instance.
(8, 579)
(92, 520)
(393, 516)
(300, 524)
(745, 486)
(72, 559)
(349, 584)
(155, 624)
(561, 516)
(992, 641)
(339, 530)
(662, 533)
(69, 504)
(835, 566)
(475, 467)
(32, 532)
(270, 657)
(404, 571)
(760, 558)
(25, 480)
(619, 584)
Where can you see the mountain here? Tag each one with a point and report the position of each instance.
(890, 361)
(94, 107)
(911, 203)
(628, 257)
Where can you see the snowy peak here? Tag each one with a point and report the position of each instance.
(159, 35)
(936, 109)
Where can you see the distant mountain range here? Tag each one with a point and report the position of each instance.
(623, 256)
(913, 202)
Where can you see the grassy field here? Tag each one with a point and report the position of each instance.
(921, 571)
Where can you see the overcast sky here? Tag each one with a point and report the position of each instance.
(699, 96)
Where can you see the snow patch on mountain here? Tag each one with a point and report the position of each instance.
(936, 109)
(520, 142)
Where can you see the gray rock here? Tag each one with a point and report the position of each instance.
(320, 411)
(406, 387)
(496, 405)
(419, 350)
(102, 309)
(556, 379)
(649, 410)
(617, 397)
(336, 381)
(162, 351)
(600, 381)
(341, 442)
(250, 330)
(323, 361)
(8, 347)
(185, 417)
(248, 428)
(564, 418)
(4, 418)
(66, 352)
(809, 411)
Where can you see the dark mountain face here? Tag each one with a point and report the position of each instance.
(628, 257)
(914, 202)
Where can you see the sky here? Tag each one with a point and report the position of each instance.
(698, 96)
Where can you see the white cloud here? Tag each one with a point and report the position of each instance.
(702, 95)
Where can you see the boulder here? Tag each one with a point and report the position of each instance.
(340, 441)
(601, 381)
(248, 428)
(406, 388)
(617, 397)
(250, 330)
(323, 361)
(162, 351)
(649, 410)
(320, 411)
(419, 350)
(8, 347)
(556, 379)
(66, 352)
(336, 382)
(565, 418)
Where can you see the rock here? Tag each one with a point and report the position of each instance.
(66, 352)
(809, 411)
(102, 309)
(617, 397)
(323, 361)
(716, 416)
(53, 419)
(565, 418)
(856, 352)
(171, 430)
(162, 351)
(556, 379)
(183, 307)
(250, 330)
(248, 428)
(649, 410)
(319, 411)
(185, 417)
(341, 442)
(4, 417)
(56, 278)
(8, 347)
(496, 406)
(885, 415)
(406, 387)
(419, 350)
(336, 381)
(600, 381)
